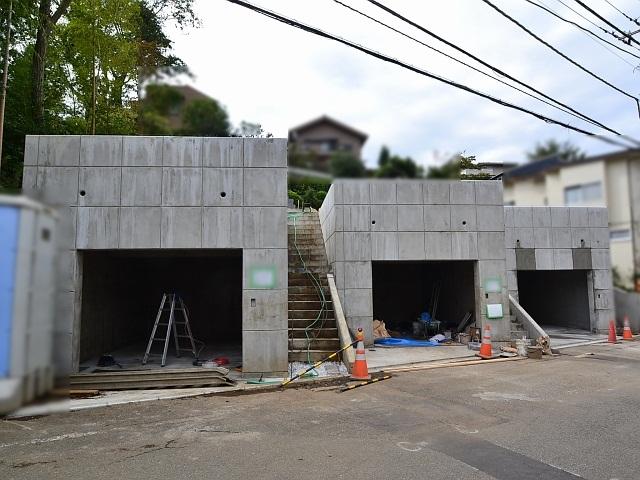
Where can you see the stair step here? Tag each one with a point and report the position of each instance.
(312, 355)
(306, 322)
(330, 344)
(306, 290)
(306, 297)
(307, 281)
(309, 304)
(308, 314)
(323, 333)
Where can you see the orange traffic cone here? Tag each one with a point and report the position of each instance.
(612, 332)
(360, 371)
(626, 333)
(485, 348)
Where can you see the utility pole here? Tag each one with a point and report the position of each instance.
(5, 75)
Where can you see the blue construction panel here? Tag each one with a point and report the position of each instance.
(9, 221)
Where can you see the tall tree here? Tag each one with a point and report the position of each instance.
(46, 21)
(205, 118)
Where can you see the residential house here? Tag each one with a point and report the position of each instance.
(322, 137)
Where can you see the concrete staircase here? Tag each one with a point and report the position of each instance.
(517, 329)
(304, 296)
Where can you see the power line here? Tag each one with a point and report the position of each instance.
(633, 20)
(564, 108)
(380, 56)
(513, 20)
(586, 30)
(596, 14)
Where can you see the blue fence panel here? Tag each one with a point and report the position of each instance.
(9, 219)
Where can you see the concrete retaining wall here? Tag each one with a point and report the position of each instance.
(563, 238)
(117, 192)
(369, 220)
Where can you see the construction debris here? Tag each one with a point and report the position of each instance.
(544, 343)
(379, 330)
(144, 379)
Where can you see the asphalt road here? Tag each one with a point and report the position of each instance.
(573, 416)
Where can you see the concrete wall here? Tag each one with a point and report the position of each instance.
(369, 220)
(620, 180)
(563, 238)
(117, 192)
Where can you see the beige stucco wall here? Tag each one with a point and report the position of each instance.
(527, 192)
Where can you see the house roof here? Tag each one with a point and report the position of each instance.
(554, 163)
(190, 93)
(326, 119)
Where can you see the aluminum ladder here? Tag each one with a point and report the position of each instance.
(175, 305)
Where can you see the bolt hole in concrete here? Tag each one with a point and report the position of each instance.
(373, 222)
(82, 193)
(464, 222)
(122, 290)
(223, 194)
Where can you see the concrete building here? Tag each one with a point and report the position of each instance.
(435, 234)
(204, 217)
(611, 180)
(392, 244)
(558, 265)
(207, 218)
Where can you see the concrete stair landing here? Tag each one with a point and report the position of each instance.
(309, 339)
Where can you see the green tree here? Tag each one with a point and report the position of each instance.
(393, 166)
(343, 164)
(205, 118)
(566, 151)
(453, 168)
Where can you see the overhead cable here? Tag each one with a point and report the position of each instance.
(566, 57)
(380, 56)
(586, 30)
(601, 18)
(552, 102)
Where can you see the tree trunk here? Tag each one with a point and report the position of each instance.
(38, 65)
(46, 20)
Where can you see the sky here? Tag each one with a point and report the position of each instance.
(270, 73)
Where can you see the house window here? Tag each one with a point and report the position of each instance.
(585, 193)
(620, 235)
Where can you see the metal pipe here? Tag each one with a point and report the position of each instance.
(362, 384)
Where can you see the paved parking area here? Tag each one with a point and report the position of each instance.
(572, 416)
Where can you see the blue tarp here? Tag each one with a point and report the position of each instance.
(404, 342)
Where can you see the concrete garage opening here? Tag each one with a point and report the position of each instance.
(402, 290)
(556, 299)
(122, 291)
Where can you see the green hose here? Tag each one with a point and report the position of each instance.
(317, 286)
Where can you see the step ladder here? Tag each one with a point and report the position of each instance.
(171, 303)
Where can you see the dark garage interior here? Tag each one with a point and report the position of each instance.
(555, 297)
(122, 291)
(402, 290)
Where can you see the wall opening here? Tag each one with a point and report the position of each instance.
(402, 290)
(558, 298)
(121, 294)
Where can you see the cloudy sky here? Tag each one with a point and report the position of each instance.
(267, 72)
